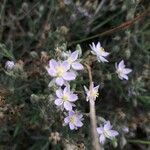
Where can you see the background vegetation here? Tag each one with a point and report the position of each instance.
(32, 32)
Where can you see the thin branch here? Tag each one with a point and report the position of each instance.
(123, 26)
(95, 141)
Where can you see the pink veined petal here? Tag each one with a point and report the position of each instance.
(107, 126)
(77, 66)
(100, 130)
(68, 106)
(69, 76)
(72, 127)
(59, 93)
(51, 72)
(58, 102)
(59, 81)
(53, 63)
(73, 97)
(121, 64)
(74, 55)
(66, 65)
(102, 139)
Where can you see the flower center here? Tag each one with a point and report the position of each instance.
(60, 71)
(70, 61)
(94, 94)
(101, 49)
(107, 133)
(119, 72)
(72, 119)
(65, 98)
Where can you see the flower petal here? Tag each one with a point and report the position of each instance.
(65, 65)
(69, 76)
(58, 102)
(107, 126)
(100, 130)
(104, 54)
(67, 120)
(98, 46)
(127, 70)
(59, 93)
(114, 133)
(124, 76)
(59, 81)
(73, 97)
(102, 59)
(74, 55)
(68, 106)
(102, 139)
(77, 66)
(51, 72)
(71, 113)
(53, 64)
(72, 127)
(121, 65)
(78, 123)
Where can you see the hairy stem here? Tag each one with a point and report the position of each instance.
(95, 142)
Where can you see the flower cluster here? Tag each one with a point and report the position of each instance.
(66, 70)
(101, 55)
(63, 72)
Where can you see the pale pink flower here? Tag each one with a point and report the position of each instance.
(74, 120)
(106, 132)
(60, 71)
(122, 71)
(91, 93)
(99, 52)
(65, 98)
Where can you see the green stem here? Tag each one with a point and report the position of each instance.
(139, 142)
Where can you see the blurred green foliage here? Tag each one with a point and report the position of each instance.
(32, 32)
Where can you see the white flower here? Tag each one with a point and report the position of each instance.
(9, 65)
(65, 98)
(106, 132)
(92, 93)
(122, 71)
(60, 71)
(72, 59)
(99, 52)
(74, 120)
